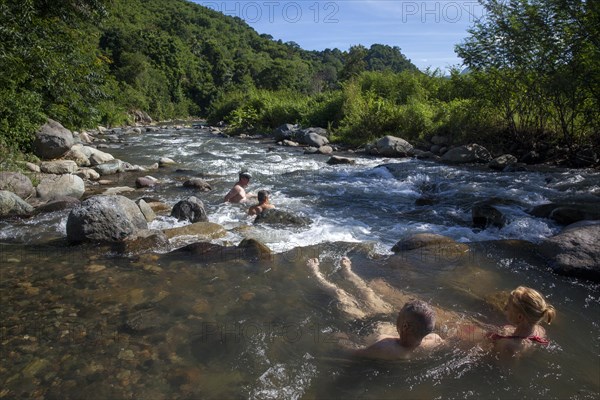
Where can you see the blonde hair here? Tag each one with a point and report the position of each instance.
(532, 305)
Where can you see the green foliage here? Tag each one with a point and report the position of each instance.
(242, 120)
(538, 60)
(258, 109)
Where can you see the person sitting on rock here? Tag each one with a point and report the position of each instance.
(414, 324)
(263, 203)
(237, 194)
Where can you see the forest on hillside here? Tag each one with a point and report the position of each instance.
(533, 77)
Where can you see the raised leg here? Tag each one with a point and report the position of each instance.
(348, 304)
(375, 303)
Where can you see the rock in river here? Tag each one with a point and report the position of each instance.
(105, 218)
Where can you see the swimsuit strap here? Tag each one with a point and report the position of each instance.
(533, 338)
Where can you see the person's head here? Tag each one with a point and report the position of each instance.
(262, 195)
(415, 321)
(244, 178)
(526, 304)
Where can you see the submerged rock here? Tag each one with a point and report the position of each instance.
(280, 217)
(210, 252)
(421, 240)
(204, 230)
(144, 319)
(143, 241)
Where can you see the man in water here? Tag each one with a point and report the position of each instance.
(414, 324)
(263, 203)
(237, 194)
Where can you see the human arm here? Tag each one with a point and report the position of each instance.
(235, 194)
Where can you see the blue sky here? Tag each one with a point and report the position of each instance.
(425, 30)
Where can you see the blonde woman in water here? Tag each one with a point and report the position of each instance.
(526, 308)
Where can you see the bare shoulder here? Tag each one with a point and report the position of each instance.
(384, 349)
(431, 341)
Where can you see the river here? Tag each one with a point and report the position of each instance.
(81, 321)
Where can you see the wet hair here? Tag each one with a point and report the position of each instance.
(532, 305)
(421, 315)
(262, 195)
(245, 175)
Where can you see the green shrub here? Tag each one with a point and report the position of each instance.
(20, 117)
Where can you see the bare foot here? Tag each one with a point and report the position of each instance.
(313, 264)
(345, 262)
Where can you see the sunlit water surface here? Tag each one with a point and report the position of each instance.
(82, 322)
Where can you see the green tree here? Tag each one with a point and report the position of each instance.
(354, 62)
(540, 59)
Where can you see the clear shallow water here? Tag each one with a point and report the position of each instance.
(248, 328)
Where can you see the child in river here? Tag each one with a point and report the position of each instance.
(414, 324)
(263, 203)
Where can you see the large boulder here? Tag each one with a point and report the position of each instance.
(59, 167)
(52, 140)
(284, 132)
(469, 153)
(12, 205)
(311, 137)
(190, 209)
(575, 252)
(274, 216)
(105, 218)
(17, 183)
(55, 186)
(502, 162)
(392, 146)
(198, 184)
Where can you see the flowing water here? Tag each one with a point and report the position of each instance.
(83, 322)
